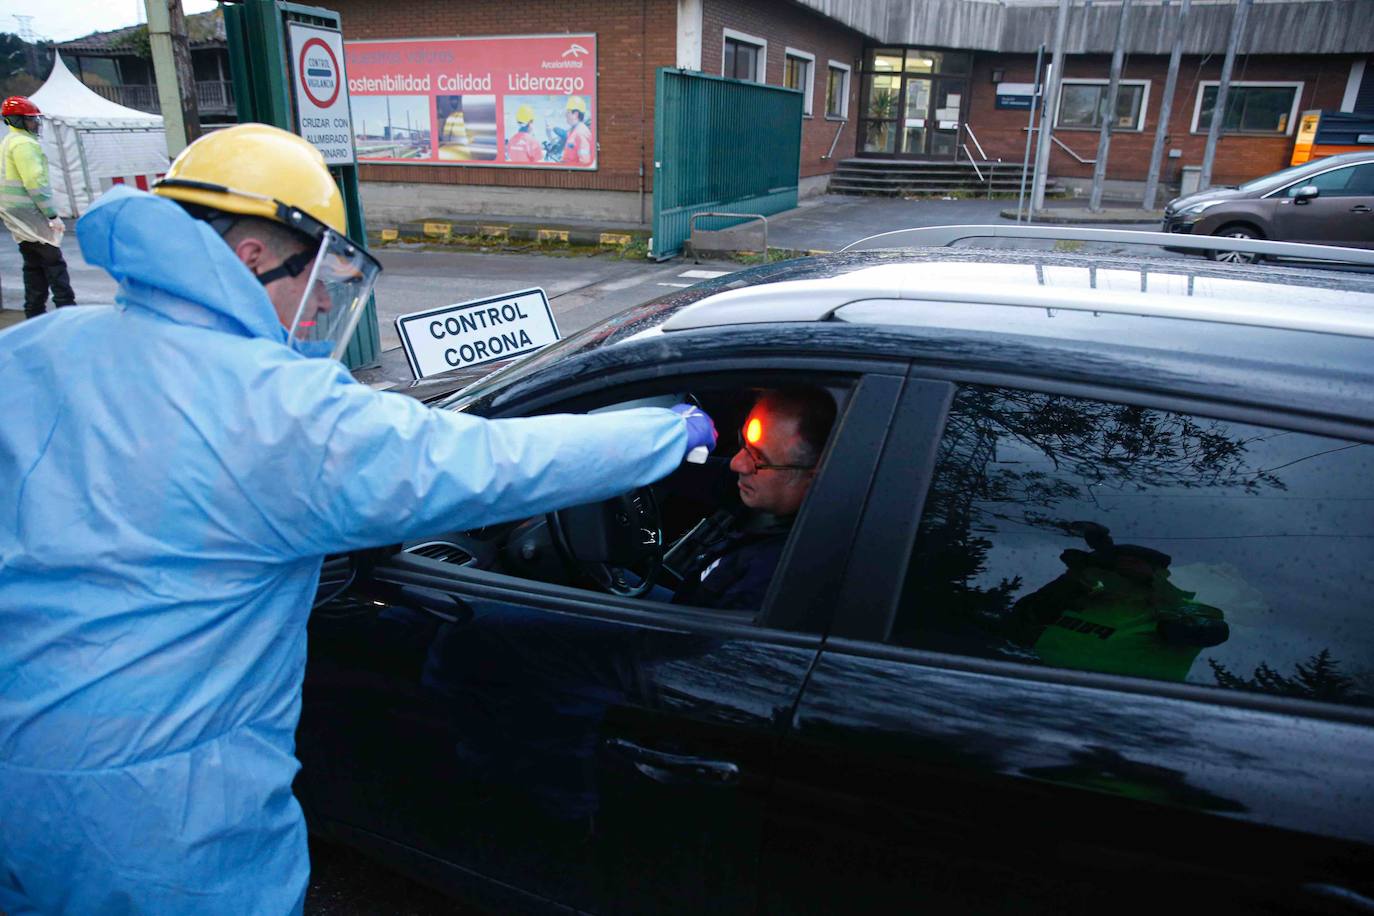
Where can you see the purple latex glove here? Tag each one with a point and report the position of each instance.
(701, 432)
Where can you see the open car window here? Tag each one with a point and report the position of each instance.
(691, 540)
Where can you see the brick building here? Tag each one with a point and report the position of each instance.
(891, 80)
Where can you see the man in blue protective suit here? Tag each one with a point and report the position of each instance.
(172, 471)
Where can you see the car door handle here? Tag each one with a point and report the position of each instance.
(1359, 208)
(674, 769)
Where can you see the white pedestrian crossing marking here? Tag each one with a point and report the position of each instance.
(704, 274)
(678, 285)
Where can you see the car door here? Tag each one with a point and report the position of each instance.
(514, 740)
(1341, 214)
(970, 752)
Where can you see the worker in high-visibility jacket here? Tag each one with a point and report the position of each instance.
(26, 206)
(522, 147)
(579, 149)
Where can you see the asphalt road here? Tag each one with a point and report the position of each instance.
(582, 289)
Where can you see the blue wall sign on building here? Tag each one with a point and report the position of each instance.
(1015, 95)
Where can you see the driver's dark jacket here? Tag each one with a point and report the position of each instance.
(732, 572)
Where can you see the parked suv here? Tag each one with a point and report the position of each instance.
(1075, 618)
(1327, 201)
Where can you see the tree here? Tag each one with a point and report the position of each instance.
(13, 54)
(1318, 679)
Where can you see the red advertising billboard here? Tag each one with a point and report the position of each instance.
(519, 101)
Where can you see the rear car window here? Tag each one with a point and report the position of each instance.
(1089, 535)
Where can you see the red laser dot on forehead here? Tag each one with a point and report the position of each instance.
(753, 432)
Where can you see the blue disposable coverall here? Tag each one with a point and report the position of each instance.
(171, 474)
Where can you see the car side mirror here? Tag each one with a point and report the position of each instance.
(1305, 193)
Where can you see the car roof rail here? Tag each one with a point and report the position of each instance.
(944, 236)
(824, 299)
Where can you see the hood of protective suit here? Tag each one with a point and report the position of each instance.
(176, 265)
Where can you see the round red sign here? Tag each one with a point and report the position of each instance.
(318, 72)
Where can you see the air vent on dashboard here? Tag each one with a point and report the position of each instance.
(442, 551)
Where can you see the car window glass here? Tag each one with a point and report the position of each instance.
(1104, 537)
(1362, 183)
(1335, 183)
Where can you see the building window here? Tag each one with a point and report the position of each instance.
(837, 91)
(745, 57)
(1251, 108)
(796, 74)
(1083, 104)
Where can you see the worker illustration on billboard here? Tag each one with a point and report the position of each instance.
(522, 147)
(578, 149)
(467, 129)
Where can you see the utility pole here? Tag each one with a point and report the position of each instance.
(176, 80)
(1047, 111)
(1223, 90)
(1166, 106)
(1036, 92)
(1104, 138)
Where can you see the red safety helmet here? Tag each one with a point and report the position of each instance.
(20, 106)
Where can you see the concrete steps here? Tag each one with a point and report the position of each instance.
(899, 178)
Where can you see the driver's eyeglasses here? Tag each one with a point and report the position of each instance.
(756, 458)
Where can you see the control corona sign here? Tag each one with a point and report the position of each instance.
(514, 101)
(321, 90)
(481, 331)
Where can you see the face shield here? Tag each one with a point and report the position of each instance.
(341, 279)
(339, 274)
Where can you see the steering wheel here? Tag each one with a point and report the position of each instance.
(614, 542)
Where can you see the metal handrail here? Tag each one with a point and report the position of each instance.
(974, 137)
(977, 171)
(833, 143)
(1081, 160)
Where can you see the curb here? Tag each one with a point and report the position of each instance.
(1070, 216)
(444, 230)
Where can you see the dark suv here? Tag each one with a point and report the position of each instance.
(1327, 201)
(1076, 617)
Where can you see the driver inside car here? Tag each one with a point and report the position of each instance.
(726, 562)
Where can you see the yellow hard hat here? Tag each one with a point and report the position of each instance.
(577, 103)
(257, 170)
(524, 114)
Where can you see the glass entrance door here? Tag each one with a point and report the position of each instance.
(933, 117)
(914, 102)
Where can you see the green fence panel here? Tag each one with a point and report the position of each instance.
(256, 30)
(720, 145)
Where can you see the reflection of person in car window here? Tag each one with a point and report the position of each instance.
(1114, 610)
(780, 445)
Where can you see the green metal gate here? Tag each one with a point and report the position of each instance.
(256, 30)
(721, 145)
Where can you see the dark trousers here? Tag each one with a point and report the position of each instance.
(44, 269)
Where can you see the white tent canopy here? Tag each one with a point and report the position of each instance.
(90, 140)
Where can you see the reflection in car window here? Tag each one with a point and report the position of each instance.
(1106, 537)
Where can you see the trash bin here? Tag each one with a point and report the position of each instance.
(1192, 177)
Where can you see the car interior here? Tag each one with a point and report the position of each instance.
(632, 545)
